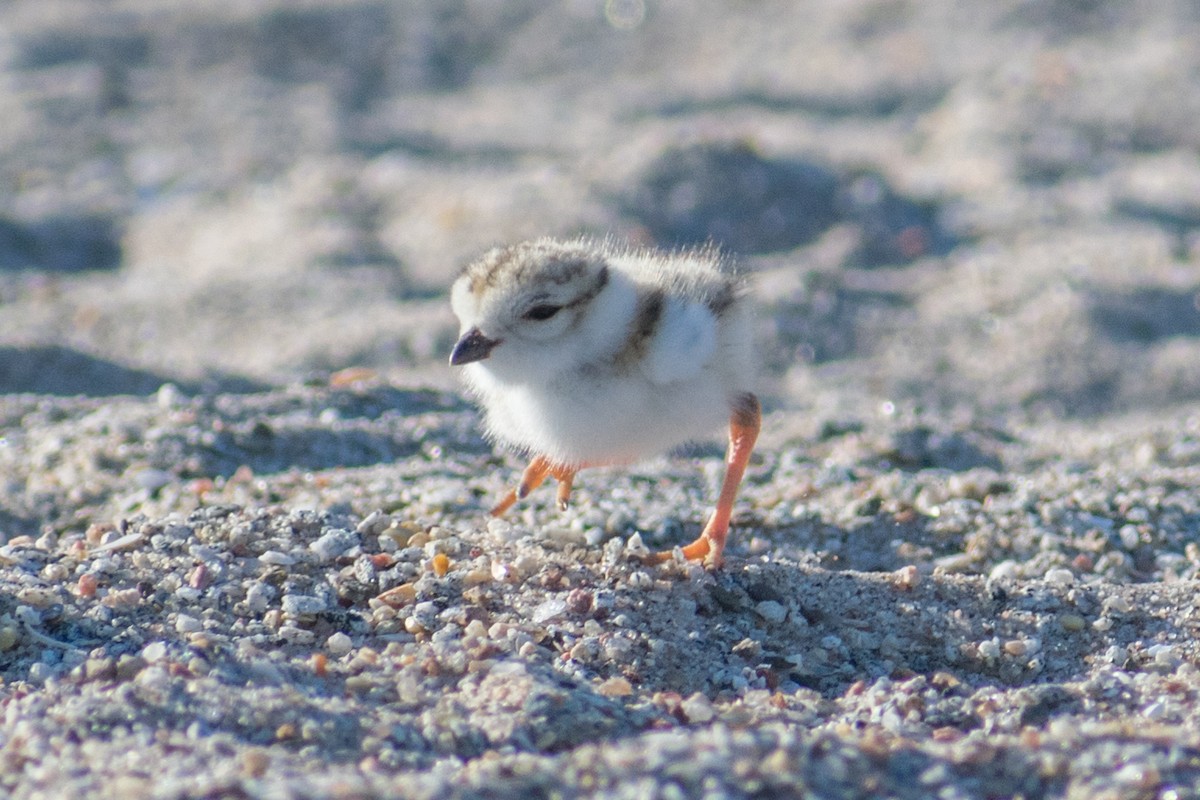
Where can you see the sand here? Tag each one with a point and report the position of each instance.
(244, 548)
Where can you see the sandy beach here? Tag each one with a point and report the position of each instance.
(244, 542)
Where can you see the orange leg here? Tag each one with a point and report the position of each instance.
(744, 424)
(533, 477)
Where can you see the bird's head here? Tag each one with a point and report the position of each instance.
(522, 308)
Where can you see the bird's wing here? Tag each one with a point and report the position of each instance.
(683, 342)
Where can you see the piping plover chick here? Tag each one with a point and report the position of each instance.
(582, 354)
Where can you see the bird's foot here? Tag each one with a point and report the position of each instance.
(533, 477)
(702, 550)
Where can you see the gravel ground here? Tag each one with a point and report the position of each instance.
(244, 549)
(297, 594)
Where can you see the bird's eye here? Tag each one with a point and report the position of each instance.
(540, 313)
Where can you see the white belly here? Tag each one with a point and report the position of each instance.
(606, 422)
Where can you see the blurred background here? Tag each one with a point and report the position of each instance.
(990, 205)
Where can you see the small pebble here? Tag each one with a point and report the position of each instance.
(989, 649)
(9, 636)
(339, 643)
(771, 611)
(259, 596)
(198, 578)
(154, 652)
(395, 536)
(1164, 655)
(1021, 647)
(615, 687)
(906, 578)
(549, 610)
(526, 565)
(373, 524)
(955, 564)
(168, 396)
(697, 709)
(55, 573)
(1117, 603)
(86, 585)
(302, 605)
(400, 595)
(1072, 622)
(1060, 577)
(99, 668)
(1130, 537)
(476, 577)
(255, 761)
(640, 579)
(579, 601)
(296, 636)
(425, 614)
(502, 529)
(585, 650)
(334, 543)
(40, 672)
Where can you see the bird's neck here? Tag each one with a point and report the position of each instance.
(606, 324)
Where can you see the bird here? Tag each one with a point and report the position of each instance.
(586, 353)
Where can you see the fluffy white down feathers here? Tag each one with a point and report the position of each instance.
(586, 354)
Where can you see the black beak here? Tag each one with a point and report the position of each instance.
(472, 346)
